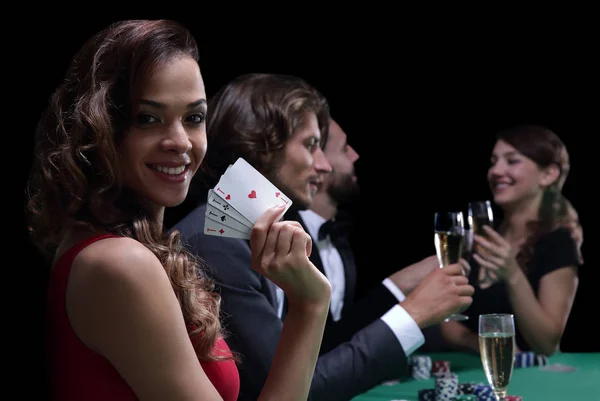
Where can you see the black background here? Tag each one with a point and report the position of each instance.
(420, 97)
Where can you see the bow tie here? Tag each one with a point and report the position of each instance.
(335, 229)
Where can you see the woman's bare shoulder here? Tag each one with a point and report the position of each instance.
(116, 260)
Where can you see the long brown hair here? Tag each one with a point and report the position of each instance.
(545, 148)
(76, 176)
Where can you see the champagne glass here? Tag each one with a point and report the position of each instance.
(497, 349)
(480, 214)
(467, 248)
(448, 238)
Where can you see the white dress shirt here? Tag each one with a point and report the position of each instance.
(399, 321)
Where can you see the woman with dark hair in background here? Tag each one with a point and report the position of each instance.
(131, 314)
(528, 266)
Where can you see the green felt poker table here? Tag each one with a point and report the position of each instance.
(531, 383)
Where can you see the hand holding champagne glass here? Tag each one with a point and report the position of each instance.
(480, 214)
(497, 348)
(448, 239)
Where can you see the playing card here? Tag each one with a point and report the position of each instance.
(215, 228)
(220, 217)
(220, 204)
(248, 191)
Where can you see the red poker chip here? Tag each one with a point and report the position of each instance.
(440, 366)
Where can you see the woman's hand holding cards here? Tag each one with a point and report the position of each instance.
(280, 252)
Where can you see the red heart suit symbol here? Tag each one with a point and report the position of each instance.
(228, 197)
(277, 194)
(252, 194)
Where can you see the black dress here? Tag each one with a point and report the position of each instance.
(553, 251)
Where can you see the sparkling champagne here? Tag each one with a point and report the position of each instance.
(477, 223)
(497, 355)
(467, 246)
(448, 247)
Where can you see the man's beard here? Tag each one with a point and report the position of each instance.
(344, 190)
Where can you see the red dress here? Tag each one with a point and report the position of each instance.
(78, 373)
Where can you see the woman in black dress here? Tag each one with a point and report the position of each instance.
(528, 264)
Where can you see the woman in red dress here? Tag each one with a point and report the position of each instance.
(131, 315)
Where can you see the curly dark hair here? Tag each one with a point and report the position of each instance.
(75, 177)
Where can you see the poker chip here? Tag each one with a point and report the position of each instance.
(439, 367)
(465, 397)
(524, 359)
(484, 392)
(421, 366)
(541, 360)
(528, 359)
(513, 398)
(466, 388)
(446, 386)
(427, 394)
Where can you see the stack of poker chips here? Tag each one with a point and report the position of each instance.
(447, 388)
(529, 359)
(440, 368)
(420, 367)
(481, 392)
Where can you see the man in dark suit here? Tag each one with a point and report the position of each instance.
(332, 254)
(278, 124)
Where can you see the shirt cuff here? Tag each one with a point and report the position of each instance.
(407, 331)
(397, 292)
